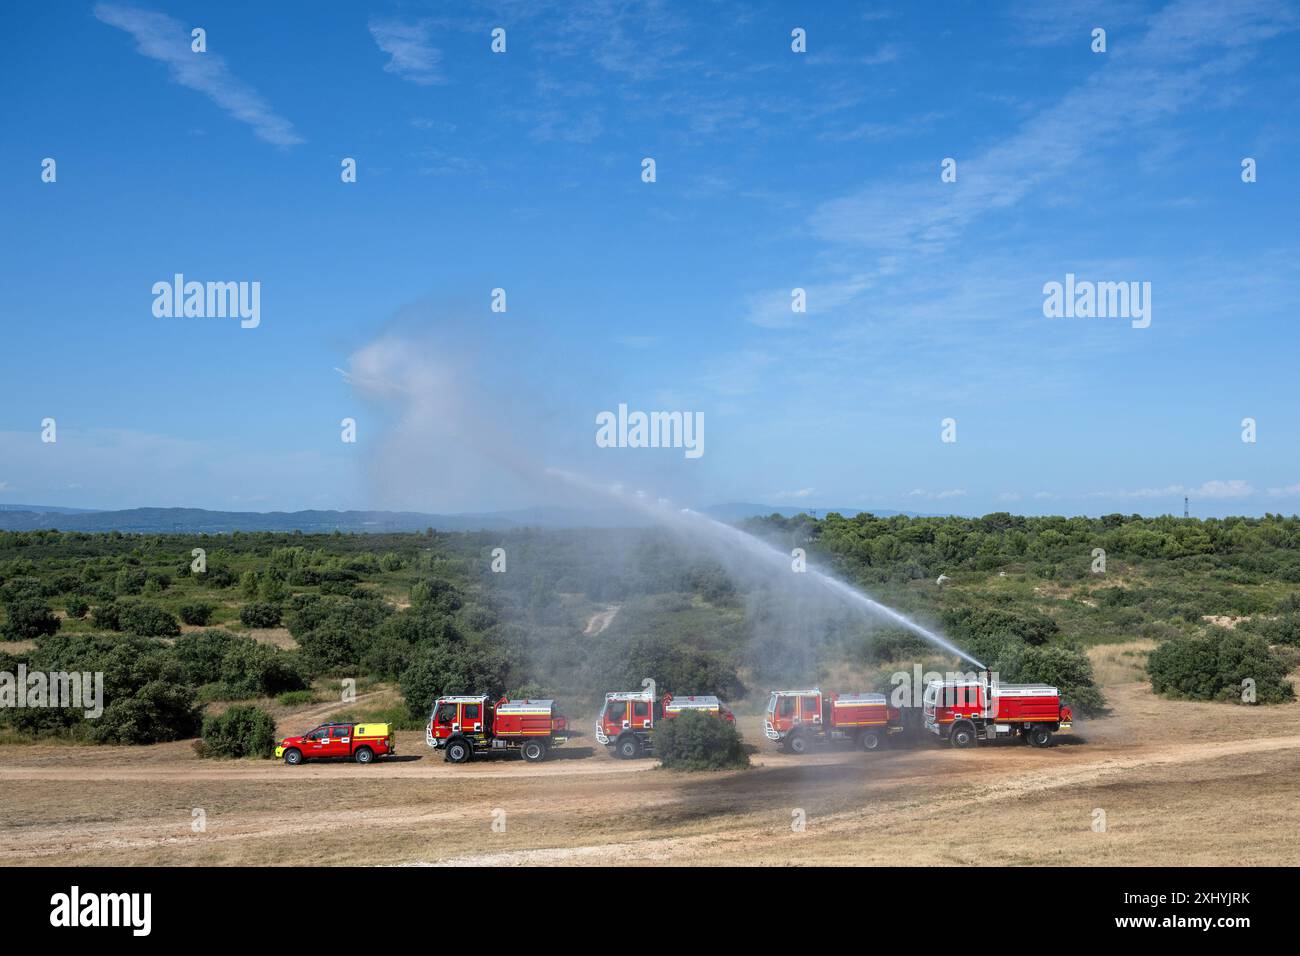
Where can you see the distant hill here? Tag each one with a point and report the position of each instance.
(47, 509)
(200, 520)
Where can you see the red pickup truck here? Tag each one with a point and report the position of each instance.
(359, 742)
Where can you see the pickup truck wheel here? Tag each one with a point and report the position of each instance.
(293, 757)
(962, 735)
(797, 744)
(534, 750)
(1040, 737)
(459, 751)
(869, 740)
(628, 748)
(363, 755)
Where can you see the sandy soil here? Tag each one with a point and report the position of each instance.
(1179, 783)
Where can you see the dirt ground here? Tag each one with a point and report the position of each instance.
(1176, 783)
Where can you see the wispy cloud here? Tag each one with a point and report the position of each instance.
(411, 54)
(797, 494)
(937, 495)
(1233, 488)
(167, 40)
(1189, 47)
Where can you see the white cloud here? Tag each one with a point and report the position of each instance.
(1189, 47)
(1234, 488)
(411, 54)
(937, 495)
(167, 40)
(1288, 491)
(786, 495)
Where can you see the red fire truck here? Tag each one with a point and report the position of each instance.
(798, 719)
(626, 722)
(965, 711)
(464, 726)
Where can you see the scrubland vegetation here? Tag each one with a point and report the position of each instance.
(277, 615)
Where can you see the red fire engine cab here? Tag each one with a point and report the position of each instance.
(627, 720)
(798, 719)
(464, 726)
(963, 712)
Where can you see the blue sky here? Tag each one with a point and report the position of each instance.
(775, 170)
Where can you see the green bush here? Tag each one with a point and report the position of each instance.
(107, 616)
(1216, 667)
(1066, 668)
(234, 667)
(462, 668)
(130, 581)
(242, 731)
(696, 741)
(260, 614)
(148, 620)
(296, 698)
(28, 618)
(196, 614)
(78, 607)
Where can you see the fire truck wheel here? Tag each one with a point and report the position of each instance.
(534, 751)
(459, 751)
(962, 735)
(797, 744)
(628, 748)
(363, 755)
(293, 757)
(1040, 737)
(869, 740)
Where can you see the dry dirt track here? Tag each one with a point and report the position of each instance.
(1179, 784)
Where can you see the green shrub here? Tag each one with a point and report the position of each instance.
(28, 618)
(235, 667)
(160, 710)
(78, 607)
(1216, 667)
(260, 614)
(695, 741)
(196, 614)
(148, 620)
(1066, 668)
(242, 731)
(130, 580)
(462, 668)
(296, 698)
(107, 616)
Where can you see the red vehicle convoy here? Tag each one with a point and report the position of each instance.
(359, 742)
(963, 712)
(626, 722)
(799, 719)
(464, 726)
